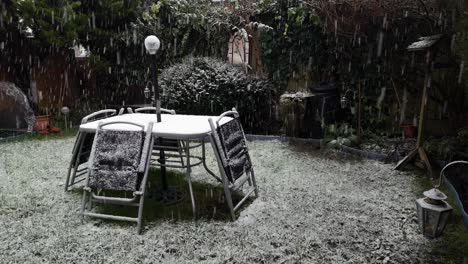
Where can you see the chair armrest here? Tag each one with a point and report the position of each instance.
(146, 150)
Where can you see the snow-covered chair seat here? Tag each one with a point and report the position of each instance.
(230, 147)
(119, 162)
(117, 156)
(234, 149)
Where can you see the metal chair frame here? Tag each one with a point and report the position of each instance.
(138, 195)
(76, 168)
(153, 109)
(237, 184)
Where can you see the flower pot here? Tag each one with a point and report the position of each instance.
(410, 131)
(41, 123)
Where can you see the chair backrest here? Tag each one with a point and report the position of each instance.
(232, 146)
(98, 115)
(152, 109)
(118, 158)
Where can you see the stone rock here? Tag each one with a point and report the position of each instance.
(15, 111)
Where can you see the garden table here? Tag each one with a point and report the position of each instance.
(186, 128)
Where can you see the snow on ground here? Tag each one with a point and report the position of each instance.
(313, 208)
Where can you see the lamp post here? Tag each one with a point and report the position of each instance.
(65, 111)
(152, 45)
(433, 211)
(165, 194)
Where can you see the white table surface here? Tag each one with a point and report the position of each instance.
(171, 126)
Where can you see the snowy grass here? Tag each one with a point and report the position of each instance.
(313, 208)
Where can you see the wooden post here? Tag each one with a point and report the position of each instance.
(427, 85)
(419, 148)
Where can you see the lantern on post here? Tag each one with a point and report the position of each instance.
(433, 211)
(65, 111)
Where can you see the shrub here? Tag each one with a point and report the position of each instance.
(209, 86)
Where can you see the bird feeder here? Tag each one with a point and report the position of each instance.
(430, 46)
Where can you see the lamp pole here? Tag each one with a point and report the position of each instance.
(152, 45)
(166, 194)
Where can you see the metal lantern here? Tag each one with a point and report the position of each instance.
(344, 102)
(147, 92)
(433, 212)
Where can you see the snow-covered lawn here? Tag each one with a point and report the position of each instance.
(313, 208)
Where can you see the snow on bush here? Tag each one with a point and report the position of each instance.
(202, 85)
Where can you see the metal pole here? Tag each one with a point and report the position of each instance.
(157, 105)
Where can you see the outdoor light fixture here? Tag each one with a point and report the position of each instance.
(433, 211)
(344, 101)
(152, 44)
(147, 92)
(65, 111)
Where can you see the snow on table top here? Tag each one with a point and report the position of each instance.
(171, 126)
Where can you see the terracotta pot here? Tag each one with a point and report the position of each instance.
(410, 131)
(41, 123)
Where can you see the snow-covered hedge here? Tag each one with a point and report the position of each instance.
(210, 86)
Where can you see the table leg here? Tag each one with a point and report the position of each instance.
(166, 194)
(189, 179)
(206, 166)
(162, 161)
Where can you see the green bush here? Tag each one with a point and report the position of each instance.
(209, 86)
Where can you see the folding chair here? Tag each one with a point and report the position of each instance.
(168, 145)
(230, 148)
(119, 161)
(82, 148)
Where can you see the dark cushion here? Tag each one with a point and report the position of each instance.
(116, 160)
(234, 149)
(86, 148)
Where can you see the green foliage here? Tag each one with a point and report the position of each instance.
(440, 149)
(340, 134)
(184, 28)
(209, 86)
(295, 43)
(187, 27)
(55, 23)
(449, 148)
